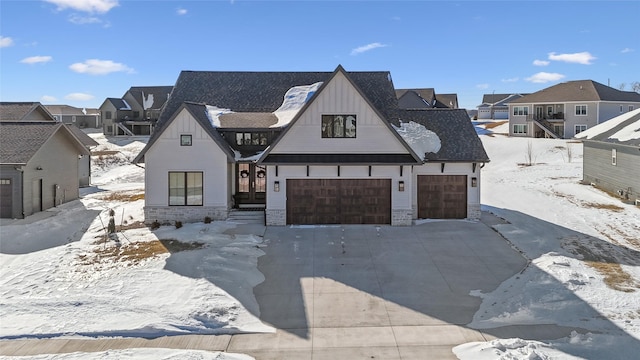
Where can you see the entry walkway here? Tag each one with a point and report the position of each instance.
(357, 292)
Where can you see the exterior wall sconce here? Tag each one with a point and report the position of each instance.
(38, 167)
(400, 185)
(474, 182)
(276, 186)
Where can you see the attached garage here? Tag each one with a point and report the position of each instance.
(442, 196)
(338, 201)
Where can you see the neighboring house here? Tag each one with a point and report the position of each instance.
(611, 159)
(566, 109)
(136, 113)
(80, 117)
(496, 106)
(425, 98)
(308, 148)
(39, 160)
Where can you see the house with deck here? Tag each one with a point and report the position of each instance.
(611, 157)
(308, 148)
(566, 109)
(136, 112)
(496, 106)
(425, 98)
(80, 117)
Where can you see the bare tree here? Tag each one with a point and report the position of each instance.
(622, 86)
(635, 86)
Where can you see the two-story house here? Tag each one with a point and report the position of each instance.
(425, 98)
(496, 106)
(568, 108)
(80, 117)
(308, 148)
(136, 112)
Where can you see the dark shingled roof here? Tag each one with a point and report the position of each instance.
(18, 111)
(160, 94)
(580, 90)
(19, 141)
(119, 104)
(458, 138)
(246, 120)
(416, 98)
(85, 139)
(264, 91)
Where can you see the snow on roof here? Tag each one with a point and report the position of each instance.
(126, 105)
(148, 102)
(629, 132)
(420, 139)
(294, 100)
(214, 113)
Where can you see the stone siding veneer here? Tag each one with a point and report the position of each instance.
(473, 212)
(276, 217)
(186, 214)
(401, 217)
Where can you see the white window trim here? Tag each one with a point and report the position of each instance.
(586, 108)
(614, 157)
(575, 128)
(526, 128)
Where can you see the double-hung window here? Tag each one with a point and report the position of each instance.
(581, 110)
(338, 126)
(520, 128)
(521, 110)
(185, 188)
(580, 128)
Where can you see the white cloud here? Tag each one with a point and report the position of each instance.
(541, 62)
(36, 59)
(181, 11)
(90, 6)
(544, 77)
(5, 41)
(100, 67)
(510, 80)
(48, 99)
(482, 86)
(81, 20)
(626, 50)
(79, 97)
(361, 49)
(584, 57)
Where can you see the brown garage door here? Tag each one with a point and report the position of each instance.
(6, 198)
(442, 196)
(339, 201)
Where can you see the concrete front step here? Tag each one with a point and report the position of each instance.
(248, 217)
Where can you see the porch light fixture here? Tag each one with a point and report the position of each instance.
(474, 182)
(38, 167)
(400, 185)
(276, 186)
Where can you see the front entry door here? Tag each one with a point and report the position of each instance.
(251, 185)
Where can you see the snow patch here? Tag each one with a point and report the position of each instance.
(148, 102)
(419, 138)
(294, 100)
(214, 113)
(629, 132)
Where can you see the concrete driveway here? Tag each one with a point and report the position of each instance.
(351, 292)
(357, 292)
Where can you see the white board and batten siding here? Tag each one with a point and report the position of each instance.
(203, 155)
(339, 97)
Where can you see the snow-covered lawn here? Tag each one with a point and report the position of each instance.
(584, 247)
(61, 276)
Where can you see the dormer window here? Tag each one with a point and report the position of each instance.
(338, 126)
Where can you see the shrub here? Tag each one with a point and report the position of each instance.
(207, 220)
(178, 224)
(155, 225)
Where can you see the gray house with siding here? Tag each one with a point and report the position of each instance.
(611, 159)
(41, 160)
(136, 112)
(568, 108)
(80, 117)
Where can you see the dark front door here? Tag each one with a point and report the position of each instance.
(251, 184)
(6, 198)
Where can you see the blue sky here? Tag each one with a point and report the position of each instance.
(79, 52)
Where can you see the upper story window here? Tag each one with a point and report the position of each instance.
(255, 139)
(136, 114)
(520, 110)
(338, 126)
(185, 140)
(107, 114)
(630, 107)
(621, 108)
(581, 110)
